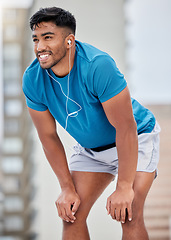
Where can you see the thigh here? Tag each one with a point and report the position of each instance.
(89, 186)
(142, 185)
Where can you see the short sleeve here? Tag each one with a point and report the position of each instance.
(108, 80)
(32, 95)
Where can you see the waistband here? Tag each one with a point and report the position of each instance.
(106, 147)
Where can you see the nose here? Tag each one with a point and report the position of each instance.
(40, 46)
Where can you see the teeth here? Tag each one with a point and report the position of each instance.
(43, 56)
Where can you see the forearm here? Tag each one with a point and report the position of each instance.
(127, 147)
(55, 155)
(68, 201)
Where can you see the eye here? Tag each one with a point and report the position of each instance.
(48, 37)
(35, 40)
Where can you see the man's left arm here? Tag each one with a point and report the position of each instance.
(119, 113)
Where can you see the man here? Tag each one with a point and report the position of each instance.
(81, 87)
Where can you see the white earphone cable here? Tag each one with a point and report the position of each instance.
(67, 96)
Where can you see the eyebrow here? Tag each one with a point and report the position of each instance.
(44, 34)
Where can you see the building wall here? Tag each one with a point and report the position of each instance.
(158, 204)
(1, 126)
(15, 160)
(1, 86)
(148, 50)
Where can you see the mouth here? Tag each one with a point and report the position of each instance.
(43, 57)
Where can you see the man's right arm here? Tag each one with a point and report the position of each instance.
(54, 151)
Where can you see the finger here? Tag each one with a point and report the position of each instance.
(64, 216)
(117, 214)
(129, 211)
(61, 212)
(112, 212)
(108, 207)
(58, 209)
(69, 214)
(75, 206)
(123, 215)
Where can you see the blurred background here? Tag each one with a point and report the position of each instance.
(137, 34)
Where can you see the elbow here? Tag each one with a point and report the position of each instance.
(49, 142)
(127, 132)
(132, 130)
(134, 127)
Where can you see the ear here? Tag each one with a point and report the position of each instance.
(70, 40)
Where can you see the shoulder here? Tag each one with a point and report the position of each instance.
(33, 87)
(34, 79)
(33, 75)
(33, 69)
(93, 60)
(90, 53)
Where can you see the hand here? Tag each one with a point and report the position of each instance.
(119, 204)
(67, 205)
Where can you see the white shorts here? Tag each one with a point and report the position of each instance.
(87, 160)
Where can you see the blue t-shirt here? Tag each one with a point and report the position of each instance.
(75, 100)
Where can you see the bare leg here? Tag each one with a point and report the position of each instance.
(136, 228)
(89, 187)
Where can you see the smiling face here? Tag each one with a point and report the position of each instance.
(50, 45)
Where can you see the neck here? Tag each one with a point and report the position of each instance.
(66, 64)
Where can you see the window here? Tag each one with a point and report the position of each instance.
(12, 71)
(12, 89)
(11, 184)
(11, 32)
(1, 196)
(12, 51)
(10, 238)
(12, 145)
(13, 204)
(1, 210)
(1, 229)
(13, 108)
(10, 14)
(13, 165)
(12, 126)
(13, 223)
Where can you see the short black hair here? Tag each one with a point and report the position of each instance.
(59, 16)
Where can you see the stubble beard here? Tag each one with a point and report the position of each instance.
(54, 63)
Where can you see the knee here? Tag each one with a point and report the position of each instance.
(135, 222)
(82, 212)
(81, 218)
(86, 203)
(137, 215)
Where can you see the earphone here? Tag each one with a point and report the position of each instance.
(69, 41)
(75, 113)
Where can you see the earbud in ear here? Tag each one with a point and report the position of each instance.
(69, 42)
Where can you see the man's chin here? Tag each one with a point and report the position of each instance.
(44, 65)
